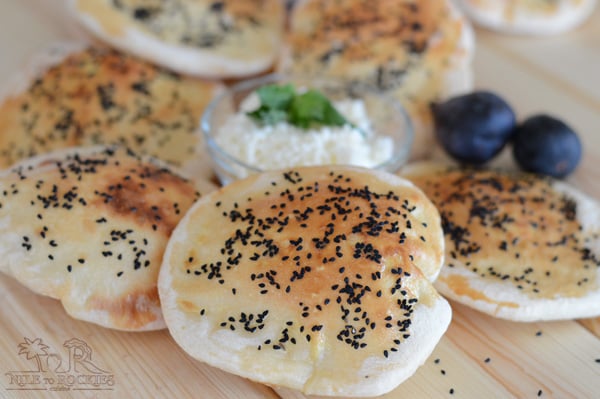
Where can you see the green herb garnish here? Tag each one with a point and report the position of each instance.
(281, 103)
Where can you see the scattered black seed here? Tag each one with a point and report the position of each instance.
(250, 243)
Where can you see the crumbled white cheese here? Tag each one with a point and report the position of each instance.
(283, 145)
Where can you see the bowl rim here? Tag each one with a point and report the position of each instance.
(206, 119)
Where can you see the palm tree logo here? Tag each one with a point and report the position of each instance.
(53, 372)
(34, 349)
(79, 357)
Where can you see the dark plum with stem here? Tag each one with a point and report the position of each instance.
(474, 127)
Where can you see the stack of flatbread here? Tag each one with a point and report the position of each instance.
(308, 269)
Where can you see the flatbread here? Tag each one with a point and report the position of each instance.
(530, 17)
(322, 271)
(421, 51)
(76, 95)
(89, 227)
(208, 38)
(518, 246)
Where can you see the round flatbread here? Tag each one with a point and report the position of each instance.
(75, 95)
(322, 271)
(421, 51)
(217, 39)
(89, 227)
(518, 247)
(532, 17)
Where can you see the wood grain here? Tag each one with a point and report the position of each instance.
(144, 365)
(479, 357)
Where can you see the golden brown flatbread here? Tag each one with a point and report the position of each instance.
(78, 95)
(227, 38)
(420, 51)
(322, 271)
(89, 227)
(518, 246)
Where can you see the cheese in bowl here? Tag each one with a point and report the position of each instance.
(275, 122)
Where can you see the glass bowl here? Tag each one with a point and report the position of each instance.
(386, 114)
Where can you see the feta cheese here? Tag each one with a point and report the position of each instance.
(284, 145)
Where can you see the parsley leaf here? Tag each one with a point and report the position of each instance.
(274, 101)
(281, 103)
(276, 96)
(313, 108)
(268, 116)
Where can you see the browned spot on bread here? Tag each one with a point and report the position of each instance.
(132, 311)
(460, 285)
(136, 196)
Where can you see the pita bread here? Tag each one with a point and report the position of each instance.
(321, 271)
(421, 51)
(74, 95)
(518, 247)
(89, 227)
(531, 17)
(215, 39)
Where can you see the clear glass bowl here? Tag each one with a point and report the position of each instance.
(387, 116)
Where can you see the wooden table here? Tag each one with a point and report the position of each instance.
(479, 357)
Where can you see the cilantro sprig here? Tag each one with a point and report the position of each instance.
(281, 103)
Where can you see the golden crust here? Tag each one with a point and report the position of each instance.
(205, 35)
(101, 96)
(89, 227)
(319, 269)
(418, 50)
(516, 245)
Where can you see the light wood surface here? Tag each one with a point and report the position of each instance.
(479, 357)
